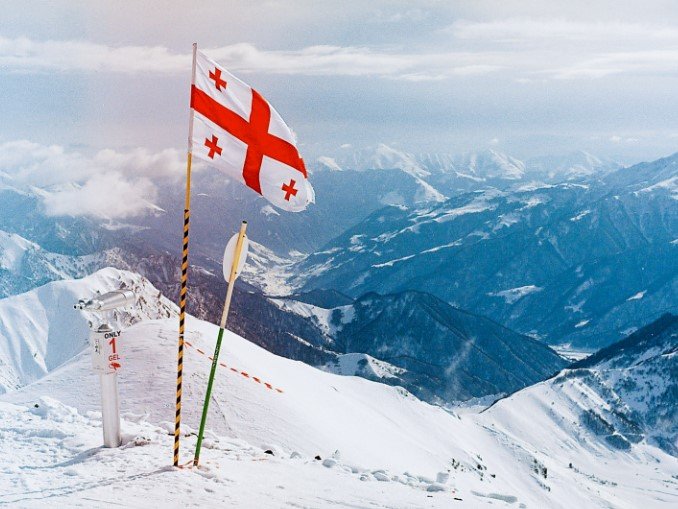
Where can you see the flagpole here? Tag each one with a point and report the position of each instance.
(184, 274)
(217, 348)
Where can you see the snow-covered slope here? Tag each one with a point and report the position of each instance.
(380, 447)
(436, 351)
(490, 165)
(40, 330)
(638, 379)
(25, 265)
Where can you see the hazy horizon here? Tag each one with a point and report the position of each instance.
(98, 94)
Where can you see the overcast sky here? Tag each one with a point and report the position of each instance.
(523, 77)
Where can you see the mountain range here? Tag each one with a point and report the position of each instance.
(437, 352)
(597, 251)
(576, 262)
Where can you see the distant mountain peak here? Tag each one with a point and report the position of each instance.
(491, 164)
(380, 157)
(479, 166)
(570, 166)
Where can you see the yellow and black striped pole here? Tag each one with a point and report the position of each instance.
(184, 278)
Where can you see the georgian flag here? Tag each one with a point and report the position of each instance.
(237, 131)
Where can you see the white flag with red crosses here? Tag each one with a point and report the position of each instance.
(237, 131)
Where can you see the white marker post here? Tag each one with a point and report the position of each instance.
(106, 358)
(235, 256)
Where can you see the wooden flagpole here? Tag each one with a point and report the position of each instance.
(217, 348)
(184, 275)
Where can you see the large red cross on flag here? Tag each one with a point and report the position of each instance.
(237, 131)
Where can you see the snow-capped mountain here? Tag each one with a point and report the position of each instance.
(502, 254)
(475, 166)
(39, 332)
(437, 352)
(376, 444)
(438, 175)
(638, 379)
(25, 265)
(572, 262)
(491, 165)
(449, 171)
(452, 174)
(572, 166)
(655, 176)
(382, 157)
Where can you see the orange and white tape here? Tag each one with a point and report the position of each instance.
(236, 370)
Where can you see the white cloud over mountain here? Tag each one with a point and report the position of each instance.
(109, 184)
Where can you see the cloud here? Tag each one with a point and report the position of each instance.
(408, 16)
(106, 195)
(659, 62)
(109, 184)
(29, 56)
(618, 139)
(566, 49)
(523, 47)
(536, 29)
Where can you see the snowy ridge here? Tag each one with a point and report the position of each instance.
(515, 294)
(415, 341)
(24, 264)
(364, 365)
(378, 444)
(40, 331)
(474, 166)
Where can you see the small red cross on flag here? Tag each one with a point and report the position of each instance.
(237, 131)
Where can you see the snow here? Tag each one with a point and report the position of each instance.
(321, 316)
(493, 164)
(534, 201)
(68, 468)
(475, 207)
(39, 330)
(670, 185)
(12, 249)
(268, 271)
(386, 157)
(379, 446)
(329, 163)
(392, 198)
(533, 186)
(580, 216)
(456, 243)
(570, 353)
(391, 263)
(427, 193)
(637, 296)
(506, 220)
(515, 294)
(362, 364)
